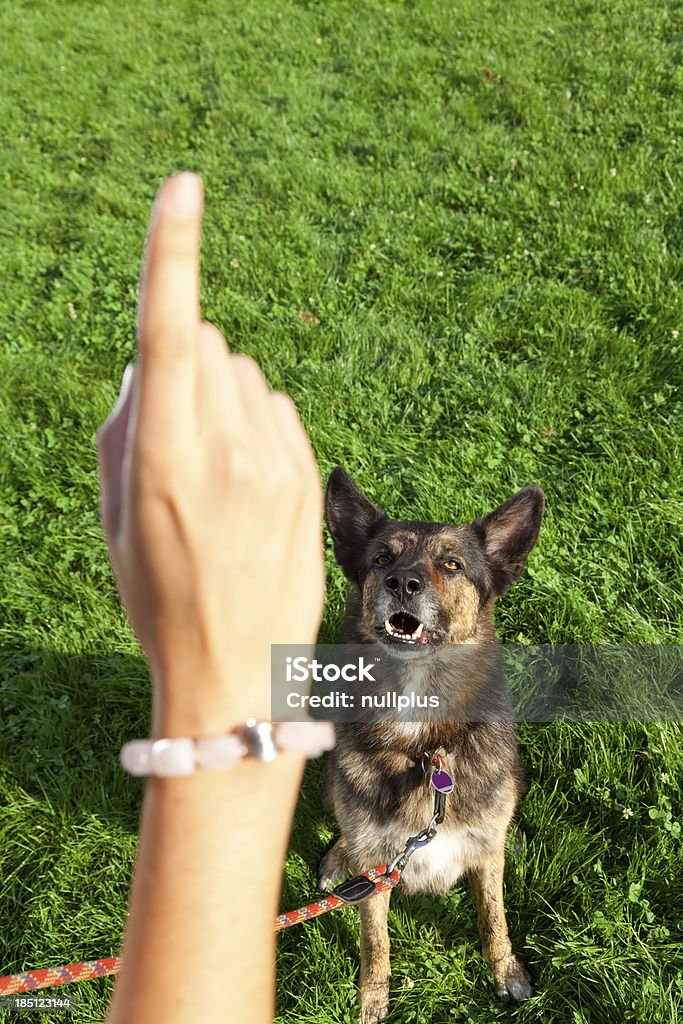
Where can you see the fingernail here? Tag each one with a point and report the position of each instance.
(184, 195)
(126, 382)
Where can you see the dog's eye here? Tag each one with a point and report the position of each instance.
(382, 560)
(452, 565)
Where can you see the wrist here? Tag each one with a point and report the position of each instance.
(198, 714)
(203, 699)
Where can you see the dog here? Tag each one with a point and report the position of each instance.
(423, 591)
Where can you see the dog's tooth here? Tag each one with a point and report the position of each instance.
(418, 632)
(388, 627)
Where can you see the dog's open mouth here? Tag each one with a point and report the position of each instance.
(406, 629)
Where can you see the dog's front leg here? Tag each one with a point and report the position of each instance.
(509, 973)
(375, 971)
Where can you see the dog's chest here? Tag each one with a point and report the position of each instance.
(437, 867)
(383, 796)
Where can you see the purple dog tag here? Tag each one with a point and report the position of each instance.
(442, 782)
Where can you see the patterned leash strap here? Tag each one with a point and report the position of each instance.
(26, 981)
(353, 891)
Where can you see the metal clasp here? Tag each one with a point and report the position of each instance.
(412, 844)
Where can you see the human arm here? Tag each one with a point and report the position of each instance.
(212, 505)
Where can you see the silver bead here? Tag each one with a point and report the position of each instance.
(259, 739)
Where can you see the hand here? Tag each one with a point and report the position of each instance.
(211, 498)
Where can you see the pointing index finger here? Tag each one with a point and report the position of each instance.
(168, 315)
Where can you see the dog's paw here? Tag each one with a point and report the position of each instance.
(374, 1002)
(332, 869)
(329, 879)
(512, 980)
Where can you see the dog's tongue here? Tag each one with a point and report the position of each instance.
(404, 623)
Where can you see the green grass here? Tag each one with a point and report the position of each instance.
(492, 261)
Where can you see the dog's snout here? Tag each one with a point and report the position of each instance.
(404, 584)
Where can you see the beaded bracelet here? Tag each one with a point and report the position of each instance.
(169, 758)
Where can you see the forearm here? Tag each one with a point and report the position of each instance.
(199, 941)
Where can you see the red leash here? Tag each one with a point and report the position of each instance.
(15, 984)
(376, 876)
(355, 890)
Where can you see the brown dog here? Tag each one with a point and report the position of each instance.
(418, 589)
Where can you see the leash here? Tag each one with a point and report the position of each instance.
(378, 879)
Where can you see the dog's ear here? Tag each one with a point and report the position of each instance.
(350, 518)
(509, 533)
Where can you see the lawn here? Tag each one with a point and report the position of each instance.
(453, 235)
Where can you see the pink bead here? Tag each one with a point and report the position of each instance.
(134, 757)
(169, 758)
(215, 753)
(309, 738)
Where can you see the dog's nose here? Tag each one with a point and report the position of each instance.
(404, 584)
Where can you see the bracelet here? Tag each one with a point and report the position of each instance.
(169, 758)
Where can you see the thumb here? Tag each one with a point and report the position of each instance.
(111, 445)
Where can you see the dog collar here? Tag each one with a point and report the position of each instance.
(432, 760)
